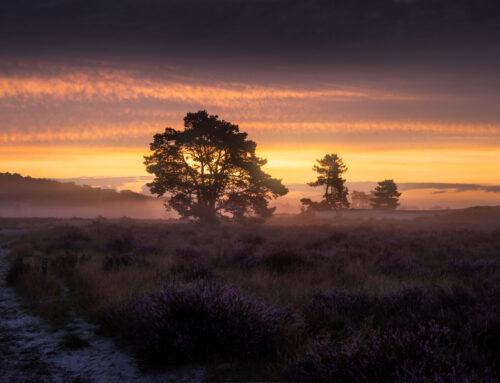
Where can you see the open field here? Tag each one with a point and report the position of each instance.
(297, 299)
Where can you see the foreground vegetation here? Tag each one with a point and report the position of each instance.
(320, 302)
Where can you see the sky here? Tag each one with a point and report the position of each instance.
(401, 89)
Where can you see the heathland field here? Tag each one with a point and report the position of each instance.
(325, 300)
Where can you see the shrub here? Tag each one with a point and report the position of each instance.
(116, 262)
(65, 263)
(388, 356)
(401, 265)
(188, 253)
(407, 308)
(337, 309)
(15, 269)
(404, 309)
(187, 322)
(476, 268)
(191, 271)
(121, 243)
(242, 257)
(252, 239)
(68, 237)
(282, 261)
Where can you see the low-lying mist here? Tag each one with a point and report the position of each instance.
(150, 209)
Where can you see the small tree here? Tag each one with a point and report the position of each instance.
(385, 196)
(360, 199)
(209, 170)
(329, 169)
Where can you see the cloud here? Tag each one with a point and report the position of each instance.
(439, 192)
(370, 135)
(107, 182)
(113, 86)
(456, 187)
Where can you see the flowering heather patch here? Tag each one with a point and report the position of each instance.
(188, 253)
(117, 261)
(186, 322)
(278, 261)
(121, 243)
(405, 309)
(401, 265)
(283, 261)
(252, 239)
(467, 268)
(382, 303)
(337, 309)
(191, 271)
(425, 354)
(242, 257)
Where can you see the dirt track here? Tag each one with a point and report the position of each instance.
(29, 352)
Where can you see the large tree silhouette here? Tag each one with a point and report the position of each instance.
(385, 196)
(210, 170)
(330, 169)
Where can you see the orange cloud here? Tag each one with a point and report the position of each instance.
(119, 86)
(353, 134)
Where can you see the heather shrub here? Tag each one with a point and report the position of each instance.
(115, 262)
(242, 257)
(337, 309)
(188, 253)
(476, 268)
(15, 269)
(201, 321)
(401, 265)
(121, 243)
(65, 263)
(252, 239)
(337, 236)
(382, 356)
(68, 238)
(282, 261)
(404, 309)
(191, 271)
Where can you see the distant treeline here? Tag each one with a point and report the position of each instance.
(15, 188)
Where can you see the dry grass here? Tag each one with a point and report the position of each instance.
(341, 257)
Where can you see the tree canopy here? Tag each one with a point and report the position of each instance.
(330, 169)
(360, 199)
(385, 196)
(210, 170)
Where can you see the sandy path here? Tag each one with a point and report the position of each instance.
(29, 352)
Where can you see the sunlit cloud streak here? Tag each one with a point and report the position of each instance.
(444, 187)
(118, 86)
(354, 133)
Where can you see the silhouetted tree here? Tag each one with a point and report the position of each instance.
(385, 196)
(360, 200)
(329, 169)
(209, 170)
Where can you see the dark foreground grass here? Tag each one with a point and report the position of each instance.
(359, 302)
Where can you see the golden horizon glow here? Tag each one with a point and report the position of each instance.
(292, 166)
(98, 123)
